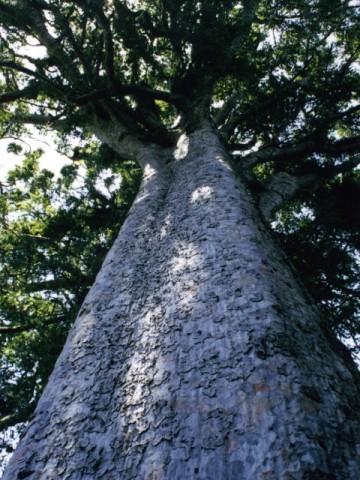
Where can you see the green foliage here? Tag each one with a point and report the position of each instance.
(322, 239)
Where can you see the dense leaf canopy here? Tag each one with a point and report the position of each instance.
(278, 80)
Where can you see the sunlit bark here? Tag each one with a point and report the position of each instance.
(197, 354)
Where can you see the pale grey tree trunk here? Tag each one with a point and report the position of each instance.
(196, 355)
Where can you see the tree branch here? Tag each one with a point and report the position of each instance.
(291, 88)
(346, 166)
(300, 150)
(17, 417)
(287, 90)
(224, 112)
(12, 65)
(277, 154)
(284, 187)
(109, 45)
(29, 92)
(342, 146)
(248, 17)
(20, 68)
(98, 12)
(79, 49)
(55, 122)
(26, 328)
(52, 44)
(120, 89)
(242, 146)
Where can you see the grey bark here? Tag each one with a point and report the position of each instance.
(197, 354)
(281, 188)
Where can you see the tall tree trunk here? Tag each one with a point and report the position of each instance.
(197, 354)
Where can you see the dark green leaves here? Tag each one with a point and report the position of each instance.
(322, 239)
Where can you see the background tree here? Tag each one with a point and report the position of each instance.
(276, 82)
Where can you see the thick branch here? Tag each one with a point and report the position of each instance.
(30, 91)
(343, 146)
(284, 187)
(119, 89)
(291, 88)
(9, 13)
(242, 146)
(346, 166)
(347, 112)
(300, 150)
(56, 122)
(20, 68)
(276, 154)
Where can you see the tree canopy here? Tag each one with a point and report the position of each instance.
(278, 80)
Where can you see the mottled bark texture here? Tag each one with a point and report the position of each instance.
(196, 355)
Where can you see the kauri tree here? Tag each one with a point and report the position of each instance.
(198, 353)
